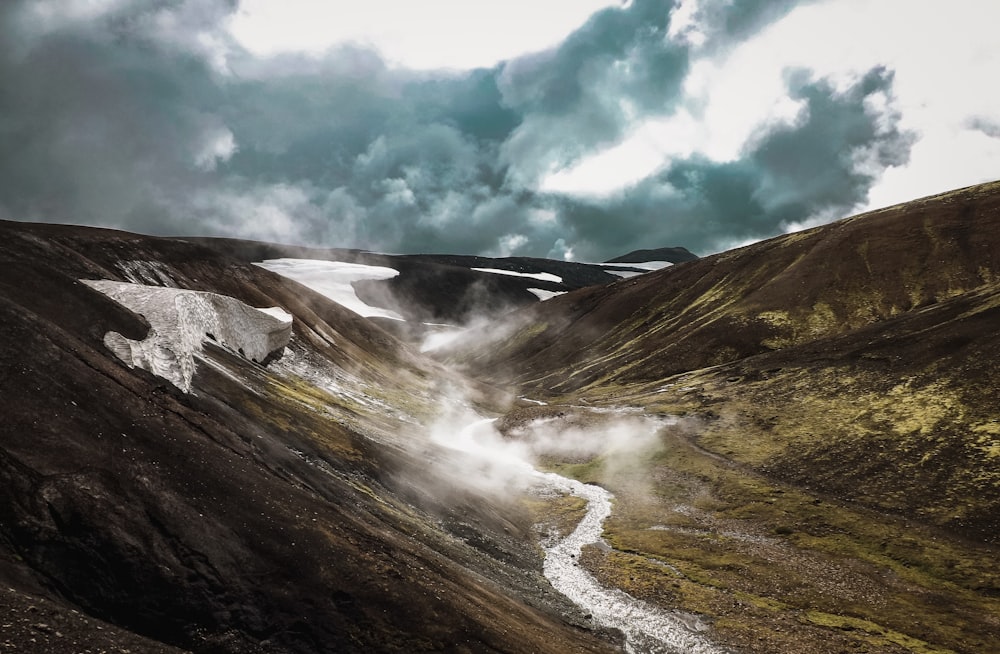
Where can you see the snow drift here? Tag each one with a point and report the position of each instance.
(181, 320)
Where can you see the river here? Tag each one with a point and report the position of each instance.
(648, 629)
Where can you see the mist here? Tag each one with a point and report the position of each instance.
(503, 457)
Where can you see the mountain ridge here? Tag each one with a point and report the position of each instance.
(817, 469)
(448, 288)
(254, 513)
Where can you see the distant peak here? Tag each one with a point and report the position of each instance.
(673, 255)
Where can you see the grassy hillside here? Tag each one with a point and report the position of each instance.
(836, 474)
(780, 293)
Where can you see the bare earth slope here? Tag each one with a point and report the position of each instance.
(840, 391)
(823, 474)
(257, 512)
(786, 291)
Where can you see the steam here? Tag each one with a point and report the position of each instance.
(502, 460)
(619, 435)
(479, 329)
(505, 459)
(488, 462)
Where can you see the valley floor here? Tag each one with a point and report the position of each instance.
(775, 568)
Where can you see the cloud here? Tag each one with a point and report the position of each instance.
(585, 93)
(710, 25)
(652, 122)
(822, 164)
(431, 34)
(988, 126)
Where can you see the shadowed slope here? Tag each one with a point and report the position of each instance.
(260, 513)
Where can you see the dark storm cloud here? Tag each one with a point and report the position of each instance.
(99, 125)
(725, 22)
(822, 165)
(147, 116)
(586, 92)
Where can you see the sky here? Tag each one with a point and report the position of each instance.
(570, 129)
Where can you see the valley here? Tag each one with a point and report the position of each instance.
(791, 447)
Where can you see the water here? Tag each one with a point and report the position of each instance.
(647, 629)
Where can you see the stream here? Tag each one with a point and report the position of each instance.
(647, 629)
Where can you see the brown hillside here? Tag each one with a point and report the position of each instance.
(787, 291)
(835, 477)
(865, 352)
(259, 513)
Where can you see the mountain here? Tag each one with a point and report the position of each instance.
(839, 390)
(789, 447)
(431, 291)
(672, 255)
(290, 507)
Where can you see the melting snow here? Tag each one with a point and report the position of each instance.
(334, 279)
(644, 266)
(181, 320)
(544, 276)
(152, 273)
(543, 295)
(649, 265)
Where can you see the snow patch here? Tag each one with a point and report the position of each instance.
(542, 277)
(181, 320)
(646, 266)
(278, 313)
(650, 265)
(334, 279)
(543, 295)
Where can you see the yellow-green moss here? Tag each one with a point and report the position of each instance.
(874, 633)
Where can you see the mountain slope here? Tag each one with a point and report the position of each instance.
(801, 439)
(787, 291)
(673, 255)
(839, 391)
(275, 509)
(452, 289)
(901, 303)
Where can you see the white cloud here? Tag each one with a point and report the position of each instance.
(684, 27)
(421, 35)
(943, 159)
(510, 243)
(398, 192)
(276, 212)
(642, 153)
(944, 58)
(218, 144)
